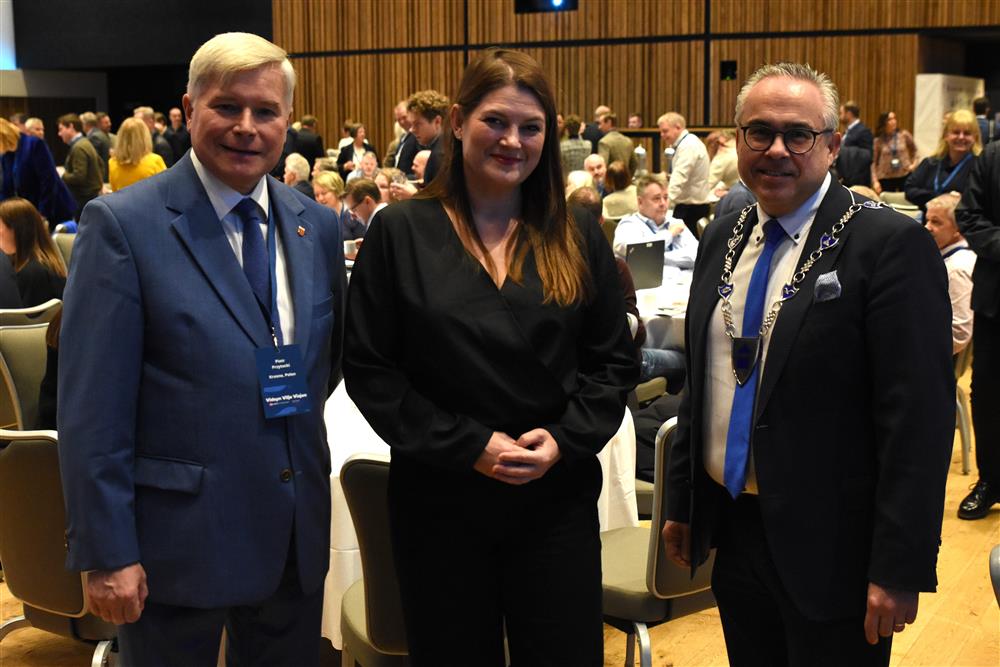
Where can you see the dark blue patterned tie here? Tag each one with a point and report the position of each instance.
(254, 251)
(741, 415)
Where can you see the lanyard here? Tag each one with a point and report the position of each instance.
(270, 311)
(656, 230)
(954, 250)
(958, 168)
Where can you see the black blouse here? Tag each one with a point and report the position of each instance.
(37, 284)
(437, 358)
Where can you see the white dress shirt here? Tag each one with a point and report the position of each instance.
(720, 384)
(960, 260)
(679, 249)
(689, 171)
(223, 199)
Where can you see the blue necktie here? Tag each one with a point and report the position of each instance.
(741, 415)
(255, 263)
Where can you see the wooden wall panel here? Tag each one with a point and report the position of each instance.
(844, 59)
(303, 26)
(751, 16)
(494, 21)
(366, 88)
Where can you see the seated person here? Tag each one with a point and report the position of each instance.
(735, 200)
(324, 164)
(959, 259)
(297, 174)
(652, 222)
(402, 188)
(328, 189)
(10, 296)
(363, 200)
(620, 199)
(39, 267)
(367, 168)
(594, 164)
(579, 179)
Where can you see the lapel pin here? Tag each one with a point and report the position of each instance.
(301, 230)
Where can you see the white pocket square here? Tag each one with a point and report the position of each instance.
(827, 287)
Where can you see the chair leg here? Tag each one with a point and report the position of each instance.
(346, 659)
(964, 431)
(645, 648)
(630, 650)
(13, 624)
(102, 654)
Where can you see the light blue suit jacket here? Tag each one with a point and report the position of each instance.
(166, 457)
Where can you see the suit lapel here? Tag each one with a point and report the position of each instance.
(202, 234)
(793, 313)
(299, 248)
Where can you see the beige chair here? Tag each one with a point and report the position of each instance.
(609, 225)
(642, 588)
(701, 225)
(40, 314)
(895, 199)
(644, 495)
(962, 407)
(995, 570)
(371, 618)
(65, 244)
(22, 367)
(33, 545)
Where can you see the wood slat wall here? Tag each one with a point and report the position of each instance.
(494, 21)
(366, 88)
(753, 16)
(846, 60)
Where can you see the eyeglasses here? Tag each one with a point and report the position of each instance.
(798, 140)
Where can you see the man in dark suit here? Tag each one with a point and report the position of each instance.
(854, 163)
(406, 148)
(197, 487)
(160, 145)
(308, 143)
(815, 431)
(592, 132)
(978, 217)
(100, 140)
(176, 134)
(984, 116)
(82, 173)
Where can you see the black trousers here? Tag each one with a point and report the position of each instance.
(283, 630)
(985, 396)
(761, 624)
(474, 555)
(691, 214)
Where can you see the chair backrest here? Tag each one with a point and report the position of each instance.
(701, 225)
(10, 406)
(663, 578)
(963, 361)
(896, 199)
(64, 242)
(23, 351)
(33, 525)
(365, 480)
(995, 570)
(609, 225)
(40, 314)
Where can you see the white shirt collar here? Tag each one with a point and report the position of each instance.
(961, 243)
(680, 138)
(797, 219)
(223, 197)
(856, 121)
(378, 207)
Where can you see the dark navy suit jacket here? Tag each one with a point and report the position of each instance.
(30, 172)
(166, 456)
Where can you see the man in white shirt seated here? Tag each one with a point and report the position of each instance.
(652, 223)
(959, 260)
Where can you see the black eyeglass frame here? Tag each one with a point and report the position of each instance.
(774, 133)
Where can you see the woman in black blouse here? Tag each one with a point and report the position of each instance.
(41, 273)
(486, 343)
(948, 169)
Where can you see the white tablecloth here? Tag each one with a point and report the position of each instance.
(348, 433)
(662, 310)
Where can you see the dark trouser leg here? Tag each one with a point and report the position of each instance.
(691, 214)
(761, 624)
(551, 587)
(166, 635)
(985, 397)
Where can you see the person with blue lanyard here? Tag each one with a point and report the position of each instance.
(948, 169)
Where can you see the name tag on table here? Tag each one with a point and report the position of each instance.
(282, 381)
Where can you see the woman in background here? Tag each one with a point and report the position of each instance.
(328, 189)
(134, 158)
(29, 172)
(351, 154)
(894, 155)
(41, 273)
(948, 169)
(486, 343)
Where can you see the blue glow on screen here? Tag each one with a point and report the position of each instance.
(557, 3)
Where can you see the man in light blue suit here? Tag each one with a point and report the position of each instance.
(194, 506)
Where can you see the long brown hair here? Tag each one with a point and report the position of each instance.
(31, 236)
(548, 228)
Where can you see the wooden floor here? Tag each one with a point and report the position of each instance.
(958, 626)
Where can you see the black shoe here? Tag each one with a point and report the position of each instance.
(978, 503)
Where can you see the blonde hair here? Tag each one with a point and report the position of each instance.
(948, 201)
(961, 119)
(218, 59)
(9, 136)
(672, 118)
(134, 142)
(330, 181)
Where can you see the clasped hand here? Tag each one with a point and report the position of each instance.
(518, 461)
(118, 596)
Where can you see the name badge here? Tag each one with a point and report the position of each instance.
(282, 381)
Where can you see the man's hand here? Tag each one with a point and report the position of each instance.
(118, 596)
(677, 539)
(536, 452)
(401, 191)
(487, 461)
(677, 228)
(889, 610)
